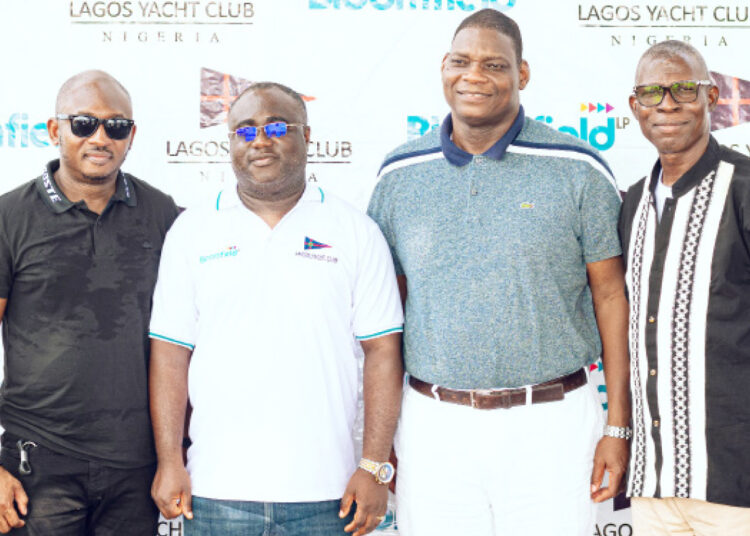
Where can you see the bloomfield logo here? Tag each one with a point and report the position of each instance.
(733, 107)
(231, 251)
(601, 137)
(413, 5)
(17, 132)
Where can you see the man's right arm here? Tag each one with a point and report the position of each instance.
(13, 498)
(168, 389)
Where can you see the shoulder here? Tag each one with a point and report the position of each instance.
(632, 199)
(538, 139)
(413, 152)
(17, 202)
(147, 192)
(740, 162)
(343, 210)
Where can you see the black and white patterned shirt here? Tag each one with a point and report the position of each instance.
(688, 278)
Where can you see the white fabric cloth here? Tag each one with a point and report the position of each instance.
(662, 192)
(271, 316)
(502, 472)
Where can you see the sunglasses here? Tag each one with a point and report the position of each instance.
(683, 92)
(83, 126)
(272, 130)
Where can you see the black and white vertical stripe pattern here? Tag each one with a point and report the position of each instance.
(680, 340)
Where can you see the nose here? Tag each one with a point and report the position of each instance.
(261, 140)
(474, 72)
(100, 137)
(668, 102)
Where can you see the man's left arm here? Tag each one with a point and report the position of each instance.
(607, 283)
(383, 382)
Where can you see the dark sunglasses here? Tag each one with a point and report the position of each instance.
(272, 130)
(83, 126)
(683, 92)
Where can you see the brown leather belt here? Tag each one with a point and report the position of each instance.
(550, 391)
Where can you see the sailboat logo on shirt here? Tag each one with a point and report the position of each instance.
(314, 244)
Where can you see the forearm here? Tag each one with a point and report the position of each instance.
(383, 383)
(168, 388)
(612, 319)
(607, 282)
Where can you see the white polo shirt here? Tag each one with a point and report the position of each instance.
(271, 316)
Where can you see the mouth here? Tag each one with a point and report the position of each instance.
(670, 126)
(98, 157)
(473, 95)
(263, 160)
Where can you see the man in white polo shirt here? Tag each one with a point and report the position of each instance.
(260, 298)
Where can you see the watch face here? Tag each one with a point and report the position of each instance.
(385, 473)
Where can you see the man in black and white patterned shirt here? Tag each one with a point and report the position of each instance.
(686, 235)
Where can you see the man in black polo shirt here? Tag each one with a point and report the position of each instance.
(79, 251)
(686, 232)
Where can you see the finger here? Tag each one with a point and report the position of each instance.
(12, 519)
(4, 527)
(170, 508)
(370, 525)
(22, 500)
(359, 520)
(186, 500)
(346, 504)
(597, 475)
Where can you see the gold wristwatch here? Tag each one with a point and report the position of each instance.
(382, 471)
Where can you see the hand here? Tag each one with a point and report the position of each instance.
(171, 491)
(11, 491)
(611, 455)
(372, 502)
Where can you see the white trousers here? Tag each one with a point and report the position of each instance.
(503, 472)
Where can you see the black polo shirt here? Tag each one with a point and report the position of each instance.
(688, 278)
(75, 329)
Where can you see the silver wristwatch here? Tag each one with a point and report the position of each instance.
(620, 432)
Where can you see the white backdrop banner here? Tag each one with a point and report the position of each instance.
(369, 70)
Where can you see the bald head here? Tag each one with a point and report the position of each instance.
(667, 50)
(100, 80)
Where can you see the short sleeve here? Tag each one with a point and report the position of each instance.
(378, 210)
(600, 210)
(377, 307)
(174, 317)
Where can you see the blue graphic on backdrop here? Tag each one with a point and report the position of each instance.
(413, 5)
(17, 132)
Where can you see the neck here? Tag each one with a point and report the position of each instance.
(675, 165)
(478, 139)
(270, 210)
(96, 193)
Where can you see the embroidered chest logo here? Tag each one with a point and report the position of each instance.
(311, 244)
(314, 244)
(231, 251)
(527, 205)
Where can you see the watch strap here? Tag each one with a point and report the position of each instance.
(620, 432)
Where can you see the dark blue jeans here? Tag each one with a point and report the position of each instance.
(213, 517)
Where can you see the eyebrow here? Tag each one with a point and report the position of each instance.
(269, 119)
(484, 58)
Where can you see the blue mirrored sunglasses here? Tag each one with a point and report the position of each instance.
(272, 130)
